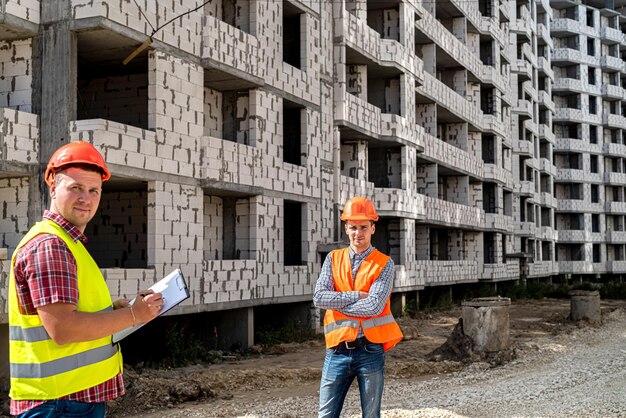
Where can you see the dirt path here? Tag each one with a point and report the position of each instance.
(563, 369)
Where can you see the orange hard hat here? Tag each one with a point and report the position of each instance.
(359, 209)
(77, 152)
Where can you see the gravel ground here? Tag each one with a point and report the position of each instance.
(579, 374)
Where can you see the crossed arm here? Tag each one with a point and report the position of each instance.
(353, 303)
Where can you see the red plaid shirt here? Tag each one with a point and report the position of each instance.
(45, 273)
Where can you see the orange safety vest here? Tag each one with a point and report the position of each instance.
(338, 327)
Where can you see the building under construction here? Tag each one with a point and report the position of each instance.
(489, 134)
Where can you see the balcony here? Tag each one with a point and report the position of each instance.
(451, 156)
(574, 56)
(498, 222)
(615, 237)
(524, 108)
(524, 147)
(546, 100)
(614, 121)
(546, 132)
(543, 65)
(231, 51)
(498, 174)
(447, 272)
(542, 268)
(616, 266)
(577, 116)
(20, 19)
(572, 144)
(568, 174)
(499, 272)
(611, 35)
(442, 212)
(547, 199)
(615, 208)
(618, 179)
(393, 202)
(359, 36)
(451, 100)
(569, 84)
(182, 33)
(525, 187)
(610, 63)
(522, 67)
(571, 205)
(618, 150)
(574, 236)
(613, 92)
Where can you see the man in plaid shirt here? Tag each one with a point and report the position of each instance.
(60, 312)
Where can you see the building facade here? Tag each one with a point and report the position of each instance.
(489, 135)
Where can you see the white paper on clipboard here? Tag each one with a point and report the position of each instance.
(173, 289)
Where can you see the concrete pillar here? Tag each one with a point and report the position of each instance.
(486, 322)
(54, 88)
(585, 305)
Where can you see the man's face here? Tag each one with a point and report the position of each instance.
(75, 195)
(360, 234)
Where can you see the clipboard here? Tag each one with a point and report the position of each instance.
(174, 290)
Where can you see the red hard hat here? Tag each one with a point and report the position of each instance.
(78, 152)
(359, 209)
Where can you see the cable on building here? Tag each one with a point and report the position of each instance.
(150, 39)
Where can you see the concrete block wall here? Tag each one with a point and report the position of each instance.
(19, 136)
(14, 193)
(121, 219)
(16, 67)
(175, 230)
(28, 10)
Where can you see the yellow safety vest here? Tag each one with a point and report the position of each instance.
(41, 369)
(338, 327)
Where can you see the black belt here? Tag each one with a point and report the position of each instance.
(352, 345)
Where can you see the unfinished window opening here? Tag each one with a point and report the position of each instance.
(292, 233)
(487, 104)
(293, 20)
(234, 12)
(118, 235)
(235, 115)
(293, 116)
(384, 92)
(385, 167)
(439, 244)
(546, 217)
(387, 238)
(485, 7)
(597, 253)
(595, 222)
(489, 248)
(546, 250)
(105, 88)
(490, 198)
(227, 224)
(384, 19)
(489, 148)
(354, 155)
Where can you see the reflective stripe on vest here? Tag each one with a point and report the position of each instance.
(34, 334)
(62, 365)
(342, 323)
(41, 369)
(377, 321)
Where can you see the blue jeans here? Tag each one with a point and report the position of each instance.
(341, 366)
(66, 409)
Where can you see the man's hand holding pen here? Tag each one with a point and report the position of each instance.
(147, 305)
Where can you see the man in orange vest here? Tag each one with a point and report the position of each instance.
(354, 287)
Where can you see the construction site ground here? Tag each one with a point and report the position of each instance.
(282, 381)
